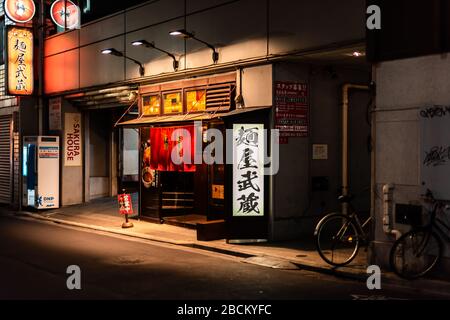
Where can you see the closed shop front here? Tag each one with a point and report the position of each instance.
(5, 159)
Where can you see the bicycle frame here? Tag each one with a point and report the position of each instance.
(353, 216)
(434, 224)
(439, 227)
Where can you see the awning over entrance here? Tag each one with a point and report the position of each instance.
(148, 121)
(104, 98)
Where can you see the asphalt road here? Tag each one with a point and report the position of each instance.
(34, 257)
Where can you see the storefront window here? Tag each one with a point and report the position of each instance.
(196, 100)
(151, 105)
(173, 103)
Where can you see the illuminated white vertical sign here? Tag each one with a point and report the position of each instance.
(72, 140)
(248, 170)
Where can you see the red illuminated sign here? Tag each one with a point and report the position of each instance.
(65, 14)
(125, 206)
(19, 11)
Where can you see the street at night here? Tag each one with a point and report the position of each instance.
(34, 257)
(242, 154)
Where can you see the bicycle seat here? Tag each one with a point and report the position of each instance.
(345, 199)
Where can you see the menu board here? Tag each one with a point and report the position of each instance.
(291, 109)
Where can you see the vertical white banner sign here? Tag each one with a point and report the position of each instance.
(72, 140)
(248, 170)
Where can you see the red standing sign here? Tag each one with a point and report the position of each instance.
(125, 205)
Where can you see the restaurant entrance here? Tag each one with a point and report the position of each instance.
(179, 194)
(173, 193)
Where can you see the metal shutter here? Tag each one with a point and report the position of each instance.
(220, 96)
(5, 159)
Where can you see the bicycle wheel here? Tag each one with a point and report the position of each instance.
(415, 253)
(337, 239)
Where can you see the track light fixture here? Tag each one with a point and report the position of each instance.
(114, 52)
(151, 45)
(189, 35)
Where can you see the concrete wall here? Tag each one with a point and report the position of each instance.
(297, 207)
(241, 30)
(403, 87)
(257, 86)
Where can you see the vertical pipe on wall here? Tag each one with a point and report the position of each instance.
(185, 40)
(125, 44)
(20, 137)
(41, 36)
(373, 184)
(267, 27)
(87, 155)
(271, 178)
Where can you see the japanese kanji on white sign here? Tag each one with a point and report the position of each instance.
(248, 170)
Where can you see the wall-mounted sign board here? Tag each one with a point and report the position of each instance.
(20, 11)
(65, 14)
(248, 170)
(19, 61)
(72, 140)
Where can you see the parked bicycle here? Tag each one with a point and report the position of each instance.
(339, 236)
(418, 251)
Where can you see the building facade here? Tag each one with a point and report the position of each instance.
(11, 131)
(250, 54)
(410, 119)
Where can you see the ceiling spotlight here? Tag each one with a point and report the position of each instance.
(357, 54)
(117, 53)
(112, 51)
(137, 43)
(189, 35)
(176, 33)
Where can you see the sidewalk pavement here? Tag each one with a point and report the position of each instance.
(281, 255)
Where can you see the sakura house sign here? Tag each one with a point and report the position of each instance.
(248, 170)
(72, 140)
